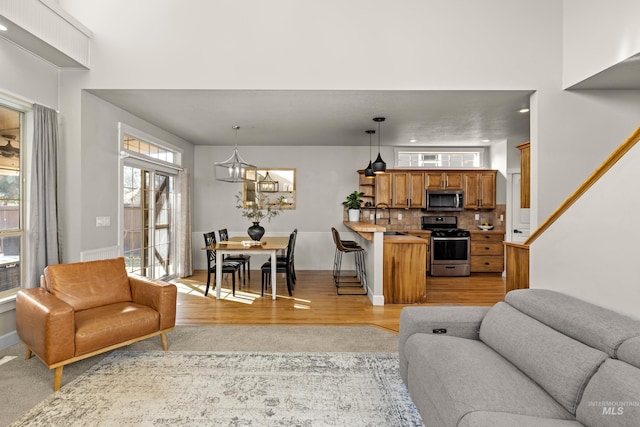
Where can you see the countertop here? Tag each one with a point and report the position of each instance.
(405, 239)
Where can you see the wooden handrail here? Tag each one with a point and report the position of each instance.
(592, 179)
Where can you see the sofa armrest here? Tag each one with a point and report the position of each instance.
(45, 324)
(160, 296)
(463, 322)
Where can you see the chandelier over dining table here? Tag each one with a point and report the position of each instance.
(234, 169)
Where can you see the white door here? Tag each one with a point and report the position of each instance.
(520, 219)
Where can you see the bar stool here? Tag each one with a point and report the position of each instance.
(358, 279)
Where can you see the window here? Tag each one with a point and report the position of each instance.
(442, 158)
(11, 197)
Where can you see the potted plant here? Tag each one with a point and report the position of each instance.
(262, 207)
(353, 203)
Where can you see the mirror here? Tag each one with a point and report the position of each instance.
(272, 182)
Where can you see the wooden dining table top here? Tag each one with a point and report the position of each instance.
(268, 243)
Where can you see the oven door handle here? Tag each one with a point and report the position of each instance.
(450, 238)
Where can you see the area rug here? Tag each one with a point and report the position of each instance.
(232, 389)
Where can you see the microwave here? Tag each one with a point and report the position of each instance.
(444, 200)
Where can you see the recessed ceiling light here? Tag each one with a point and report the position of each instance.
(3, 28)
(523, 110)
(413, 140)
(486, 140)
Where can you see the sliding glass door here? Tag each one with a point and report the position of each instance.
(149, 222)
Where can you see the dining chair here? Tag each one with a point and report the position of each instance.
(244, 260)
(283, 258)
(281, 267)
(230, 267)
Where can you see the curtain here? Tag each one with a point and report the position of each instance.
(184, 260)
(43, 207)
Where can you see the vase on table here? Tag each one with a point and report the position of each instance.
(256, 231)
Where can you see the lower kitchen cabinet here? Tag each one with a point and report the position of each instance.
(404, 269)
(487, 252)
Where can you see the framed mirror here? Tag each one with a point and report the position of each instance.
(271, 182)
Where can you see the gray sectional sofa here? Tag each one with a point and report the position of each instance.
(541, 358)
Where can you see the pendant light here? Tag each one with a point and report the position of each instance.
(234, 169)
(368, 172)
(379, 166)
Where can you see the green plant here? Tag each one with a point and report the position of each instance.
(353, 200)
(262, 207)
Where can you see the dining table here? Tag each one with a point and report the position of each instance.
(269, 245)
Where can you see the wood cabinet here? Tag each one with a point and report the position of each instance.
(525, 174)
(408, 189)
(480, 190)
(404, 270)
(426, 235)
(443, 180)
(384, 189)
(487, 252)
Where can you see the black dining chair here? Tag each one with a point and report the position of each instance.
(229, 267)
(281, 267)
(283, 258)
(244, 260)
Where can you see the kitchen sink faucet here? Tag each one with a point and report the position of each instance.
(381, 206)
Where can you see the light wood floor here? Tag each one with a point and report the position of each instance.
(315, 301)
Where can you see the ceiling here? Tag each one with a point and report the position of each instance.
(624, 75)
(330, 118)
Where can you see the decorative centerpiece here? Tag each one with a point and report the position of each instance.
(353, 202)
(262, 207)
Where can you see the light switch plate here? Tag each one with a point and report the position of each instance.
(103, 221)
(477, 217)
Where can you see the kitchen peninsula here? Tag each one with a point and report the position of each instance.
(396, 264)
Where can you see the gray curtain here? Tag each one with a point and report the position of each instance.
(183, 200)
(43, 207)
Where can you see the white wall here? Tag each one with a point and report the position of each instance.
(591, 252)
(100, 154)
(598, 34)
(324, 177)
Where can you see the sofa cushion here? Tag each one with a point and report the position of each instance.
(459, 376)
(595, 326)
(629, 351)
(612, 397)
(107, 325)
(560, 364)
(85, 285)
(504, 419)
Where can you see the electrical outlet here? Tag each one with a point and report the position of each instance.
(378, 216)
(399, 216)
(371, 217)
(477, 217)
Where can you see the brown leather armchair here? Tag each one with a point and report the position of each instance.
(87, 308)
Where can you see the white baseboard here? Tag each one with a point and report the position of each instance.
(7, 340)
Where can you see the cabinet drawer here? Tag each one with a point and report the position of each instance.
(487, 237)
(486, 248)
(487, 264)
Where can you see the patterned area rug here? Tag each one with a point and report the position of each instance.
(232, 389)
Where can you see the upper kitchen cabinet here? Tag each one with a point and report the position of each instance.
(480, 190)
(408, 189)
(525, 174)
(443, 180)
(384, 189)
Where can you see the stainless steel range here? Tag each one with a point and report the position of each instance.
(449, 246)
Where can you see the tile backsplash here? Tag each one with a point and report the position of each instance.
(411, 218)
